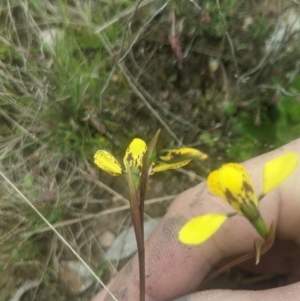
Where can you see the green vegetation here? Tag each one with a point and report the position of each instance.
(275, 124)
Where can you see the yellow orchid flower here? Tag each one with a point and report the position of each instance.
(180, 154)
(134, 155)
(233, 184)
(176, 158)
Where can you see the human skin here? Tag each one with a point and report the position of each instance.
(174, 270)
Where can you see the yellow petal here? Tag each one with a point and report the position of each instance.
(107, 162)
(162, 166)
(233, 184)
(278, 169)
(135, 152)
(200, 228)
(177, 155)
(213, 184)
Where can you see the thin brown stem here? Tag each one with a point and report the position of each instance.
(138, 226)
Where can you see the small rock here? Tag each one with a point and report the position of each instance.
(158, 187)
(247, 22)
(164, 95)
(75, 276)
(106, 239)
(192, 176)
(125, 243)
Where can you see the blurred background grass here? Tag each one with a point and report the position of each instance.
(78, 76)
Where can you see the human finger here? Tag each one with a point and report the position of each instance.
(284, 293)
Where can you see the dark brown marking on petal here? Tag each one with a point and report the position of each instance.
(129, 158)
(173, 155)
(243, 201)
(176, 156)
(170, 154)
(248, 188)
(230, 197)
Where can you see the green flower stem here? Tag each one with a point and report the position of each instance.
(260, 227)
